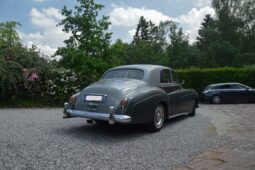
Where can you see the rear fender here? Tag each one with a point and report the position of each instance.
(142, 111)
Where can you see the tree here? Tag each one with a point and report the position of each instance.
(145, 31)
(142, 30)
(8, 32)
(86, 50)
(88, 30)
(207, 33)
(145, 53)
(247, 16)
(232, 29)
(119, 50)
(228, 21)
(17, 62)
(222, 54)
(177, 46)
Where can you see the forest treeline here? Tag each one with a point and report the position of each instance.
(226, 39)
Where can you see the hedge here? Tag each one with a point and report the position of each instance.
(198, 79)
(63, 82)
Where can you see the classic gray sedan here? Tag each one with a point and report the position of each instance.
(134, 94)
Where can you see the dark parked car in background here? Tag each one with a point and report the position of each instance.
(134, 94)
(228, 93)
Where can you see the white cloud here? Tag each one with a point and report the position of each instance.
(192, 21)
(129, 16)
(131, 33)
(126, 16)
(53, 12)
(50, 36)
(39, 0)
(202, 3)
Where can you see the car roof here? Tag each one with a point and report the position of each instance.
(230, 83)
(151, 72)
(147, 67)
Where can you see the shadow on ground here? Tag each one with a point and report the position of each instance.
(118, 132)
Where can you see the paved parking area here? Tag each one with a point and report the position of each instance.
(41, 139)
(237, 122)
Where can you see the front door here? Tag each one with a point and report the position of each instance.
(170, 88)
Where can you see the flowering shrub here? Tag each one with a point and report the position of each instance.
(53, 88)
(61, 85)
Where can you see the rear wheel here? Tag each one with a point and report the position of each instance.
(216, 99)
(158, 119)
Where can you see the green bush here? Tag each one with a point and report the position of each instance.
(198, 79)
(39, 90)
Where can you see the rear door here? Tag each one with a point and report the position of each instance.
(170, 88)
(185, 97)
(228, 93)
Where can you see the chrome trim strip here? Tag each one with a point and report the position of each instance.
(86, 114)
(122, 118)
(111, 117)
(180, 114)
(99, 116)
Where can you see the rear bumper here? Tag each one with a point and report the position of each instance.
(111, 118)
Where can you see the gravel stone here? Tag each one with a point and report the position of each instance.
(41, 139)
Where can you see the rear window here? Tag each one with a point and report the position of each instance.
(124, 73)
(212, 88)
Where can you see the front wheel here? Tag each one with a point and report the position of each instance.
(158, 119)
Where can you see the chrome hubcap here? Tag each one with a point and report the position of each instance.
(159, 116)
(216, 99)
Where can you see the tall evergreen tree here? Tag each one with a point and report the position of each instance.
(207, 33)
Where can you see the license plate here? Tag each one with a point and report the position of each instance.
(94, 98)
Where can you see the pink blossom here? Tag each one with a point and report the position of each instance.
(33, 77)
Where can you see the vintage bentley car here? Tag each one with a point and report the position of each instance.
(133, 94)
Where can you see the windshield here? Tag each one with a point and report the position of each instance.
(124, 73)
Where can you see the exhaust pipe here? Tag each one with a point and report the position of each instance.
(89, 121)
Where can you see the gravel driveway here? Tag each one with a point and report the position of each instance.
(41, 139)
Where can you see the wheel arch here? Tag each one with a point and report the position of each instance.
(216, 94)
(143, 110)
(165, 106)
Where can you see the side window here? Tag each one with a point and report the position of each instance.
(174, 77)
(239, 87)
(165, 76)
(215, 87)
(226, 87)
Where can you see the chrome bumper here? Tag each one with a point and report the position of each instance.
(111, 118)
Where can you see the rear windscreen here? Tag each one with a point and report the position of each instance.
(124, 73)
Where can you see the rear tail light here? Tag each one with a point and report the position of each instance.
(72, 99)
(123, 103)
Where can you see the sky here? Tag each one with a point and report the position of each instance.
(40, 17)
